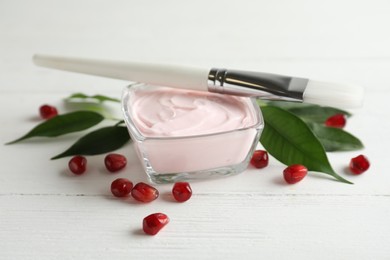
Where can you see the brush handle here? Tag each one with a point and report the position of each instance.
(155, 74)
(241, 83)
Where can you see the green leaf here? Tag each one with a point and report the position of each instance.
(64, 124)
(284, 104)
(120, 122)
(308, 112)
(316, 113)
(335, 139)
(96, 98)
(100, 141)
(287, 138)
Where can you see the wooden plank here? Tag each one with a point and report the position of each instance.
(210, 225)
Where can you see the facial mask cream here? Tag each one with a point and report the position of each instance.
(185, 134)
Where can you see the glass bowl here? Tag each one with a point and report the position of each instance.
(168, 159)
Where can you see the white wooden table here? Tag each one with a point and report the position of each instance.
(46, 213)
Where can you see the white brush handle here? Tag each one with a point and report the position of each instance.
(166, 75)
(242, 83)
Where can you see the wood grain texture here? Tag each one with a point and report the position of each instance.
(210, 226)
(47, 213)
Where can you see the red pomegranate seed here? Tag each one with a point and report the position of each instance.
(359, 164)
(153, 223)
(338, 121)
(182, 191)
(144, 192)
(121, 187)
(47, 111)
(78, 164)
(294, 173)
(259, 159)
(115, 162)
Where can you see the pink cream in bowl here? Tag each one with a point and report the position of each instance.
(185, 134)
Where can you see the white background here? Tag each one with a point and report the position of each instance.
(46, 213)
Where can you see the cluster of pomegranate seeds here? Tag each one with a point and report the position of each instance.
(259, 159)
(115, 162)
(359, 164)
(144, 192)
(181, 191)
(78, 164)
(153, 223)
(294, 173)
(338, 121)
(121, 187)
(47, 111)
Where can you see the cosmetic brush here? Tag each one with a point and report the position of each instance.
(262, 85)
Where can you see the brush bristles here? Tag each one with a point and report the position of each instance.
(333, 94)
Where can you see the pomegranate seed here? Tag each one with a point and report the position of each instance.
(115, 162)
(144, 192)
(182, 191)
(78, 164)
(294, 173)
(359, 164)
(338, 121)
(153, 223)
(121, 187)
(47, 111)
(259, 159)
